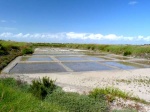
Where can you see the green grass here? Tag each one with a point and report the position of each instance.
(133, 50)
(9, 50)
(9, 43)
(111, 93)
(77, 103)
(16, 98)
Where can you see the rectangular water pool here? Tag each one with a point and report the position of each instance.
(37, 68)
(86, 66)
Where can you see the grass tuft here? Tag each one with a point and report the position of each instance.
(111, 93)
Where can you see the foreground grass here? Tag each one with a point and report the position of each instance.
(16, 97)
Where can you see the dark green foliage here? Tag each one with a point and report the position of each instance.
(3, 50)
(27, 51)
(77, 103)
(13, 98)
(126, 53)
(40, 88)
(9, 50)
(5, 59)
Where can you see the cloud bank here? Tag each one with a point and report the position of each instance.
(75, 38)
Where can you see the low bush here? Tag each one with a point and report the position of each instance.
(14, 99)
(77, 103)
(3, 50)
(126, 53)
(110, 93)
(27, 51)
(40, 88)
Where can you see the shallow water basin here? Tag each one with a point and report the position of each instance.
(95, 58)
(37, 68)
(70, 58)
(124, 65)
(86, 66)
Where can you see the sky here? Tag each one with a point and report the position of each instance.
(76, 21)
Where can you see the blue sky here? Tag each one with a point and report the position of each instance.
(78, 21)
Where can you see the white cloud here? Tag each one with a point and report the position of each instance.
(72, 37)
(6, 34)
(132, 2)
(112, 37)
(147, 38)
(18, 35)
(92, 36)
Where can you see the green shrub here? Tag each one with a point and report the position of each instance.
(127, 53)
(14, 99)
(15, 47)
(110, 93)
(3, 50)
(77, 103)
(27, 51)
(98, 94)
(40, 88)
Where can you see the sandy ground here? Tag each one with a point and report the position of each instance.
(135, 81)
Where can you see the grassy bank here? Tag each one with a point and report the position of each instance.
(9, 50)
(14, 97)
(17, 96)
